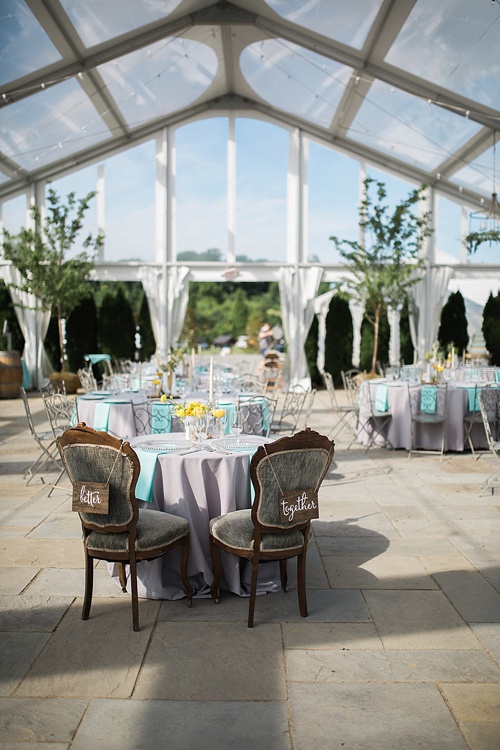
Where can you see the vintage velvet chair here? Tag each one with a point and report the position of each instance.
(126, 534)
(293, 463)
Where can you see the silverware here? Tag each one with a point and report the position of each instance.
(191, 450)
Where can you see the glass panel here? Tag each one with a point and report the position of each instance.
(81, 182)
(455, 44)
(478, 175)
(261, 190)
(447, 224)
(97, 21)
(50, 125)
(14, 214)
(24, 45)
(334, 192)
(129, 180)
(407, 127)
(159, 79)
(201, 189)
(294, 79)
(344, 20)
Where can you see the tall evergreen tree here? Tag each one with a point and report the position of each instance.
(311, 350)
(491, 327)
(7, 313)
(81, 333)
(453, 328)
(405, 342)
(148, 343)
(338, 338)
(117, 325)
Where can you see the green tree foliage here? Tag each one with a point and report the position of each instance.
(491, 327)
(338, 338)
(41, 256)
(213, 312)
(148, 343)
(311, 349)
(453, 328)
(8, 313)
(405, 342)
(239, 313)
(382, 266)
(117, 325)
(366, 345)
(81, 333)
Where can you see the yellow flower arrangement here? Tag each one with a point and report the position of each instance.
(163, 398)
(217, 413)
(193, 409)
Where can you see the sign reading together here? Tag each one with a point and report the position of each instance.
(298, 505)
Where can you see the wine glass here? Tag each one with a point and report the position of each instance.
(201, 428)
(237, 423)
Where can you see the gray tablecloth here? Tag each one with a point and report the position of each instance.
(198, 487)
(427, 437)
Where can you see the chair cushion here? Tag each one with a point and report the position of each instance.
(154, 529)
(236, 530)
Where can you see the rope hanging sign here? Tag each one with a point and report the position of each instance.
(92, 497)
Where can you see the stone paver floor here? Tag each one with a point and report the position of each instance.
(401, 649)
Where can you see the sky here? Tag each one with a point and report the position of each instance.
(261, 189)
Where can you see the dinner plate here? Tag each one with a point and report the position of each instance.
(166, 447)
(234, 446)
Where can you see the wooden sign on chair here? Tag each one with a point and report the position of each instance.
(90, 497)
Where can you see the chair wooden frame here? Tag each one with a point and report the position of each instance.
(82, 437)
(316, 447)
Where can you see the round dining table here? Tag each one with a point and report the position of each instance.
(392, 397)
(197, 482)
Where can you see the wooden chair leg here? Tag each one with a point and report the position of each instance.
(89, 585)
(253, 589)
(217, 568)
(122, 574)
(301, 584)
(284, 575)
(133, 587)
(184, 563)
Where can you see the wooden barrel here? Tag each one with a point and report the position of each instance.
(11, 374)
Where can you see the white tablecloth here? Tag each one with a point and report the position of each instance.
(428, 437)
(112, 414)
(198, 487)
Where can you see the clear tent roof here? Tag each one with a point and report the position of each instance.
(410, 85)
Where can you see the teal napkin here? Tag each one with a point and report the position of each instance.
(473, 399)
(161, 418)
(381, 398)
(101, 417)
(497, 376)
(428, 396)
(144, 486)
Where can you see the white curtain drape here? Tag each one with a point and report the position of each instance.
(177, 301)
(425, 302)
(34, 321)
(150, 278)
(321, 306)
(298, 288)
(357, 312)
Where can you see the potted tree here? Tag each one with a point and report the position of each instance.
(382, 264)
(42, 255)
